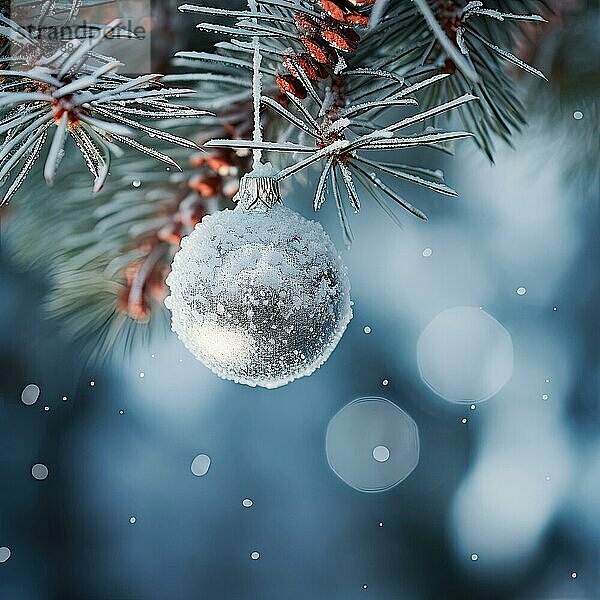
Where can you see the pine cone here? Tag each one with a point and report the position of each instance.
(170, 234)
(319, 51)
(207, 186)
(312, 69)
(340, 39)
(306, 24)
(344, 12)
(290, 85)
(138, 310)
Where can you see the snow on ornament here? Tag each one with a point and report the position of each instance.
(259, 294)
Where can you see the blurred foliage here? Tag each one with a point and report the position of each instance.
(569, 51)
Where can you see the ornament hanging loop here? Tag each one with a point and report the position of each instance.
(258, 192)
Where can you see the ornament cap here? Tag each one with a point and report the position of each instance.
(259, 190)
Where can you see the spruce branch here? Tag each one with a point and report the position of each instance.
(345, 84)
(70, 91)
(330, 98)
(485, 34)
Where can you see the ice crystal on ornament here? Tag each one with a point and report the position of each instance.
(260, 297)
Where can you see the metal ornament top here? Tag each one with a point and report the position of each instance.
(258, 192)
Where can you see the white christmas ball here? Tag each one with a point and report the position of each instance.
(260, 297)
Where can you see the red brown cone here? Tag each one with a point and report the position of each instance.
(289, 84)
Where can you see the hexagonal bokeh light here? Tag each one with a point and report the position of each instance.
(465, 355)
(372, 444)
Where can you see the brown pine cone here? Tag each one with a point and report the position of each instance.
(343, 40)
(282, 99)
(191, 217)
(170, 234)
(348, 31)
(131, 272)
(206, 186)
(138, 310)
(357, 20)
(320, 52)
(306, 24)
(155, 285)
(344, 12)
(312, 69)
(449, 67)
(220, 161)
(289, 84)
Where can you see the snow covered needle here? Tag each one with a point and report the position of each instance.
(75, 91)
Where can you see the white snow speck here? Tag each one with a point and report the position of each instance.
(381, 453)
(200, 465)
(39, 471)
(30, 394)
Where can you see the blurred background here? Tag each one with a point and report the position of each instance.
(101, 495)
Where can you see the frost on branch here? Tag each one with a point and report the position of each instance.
(52, 93)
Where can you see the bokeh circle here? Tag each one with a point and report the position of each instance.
(372, 444)
(465, 355)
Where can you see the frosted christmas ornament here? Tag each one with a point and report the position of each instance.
(259, 294)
